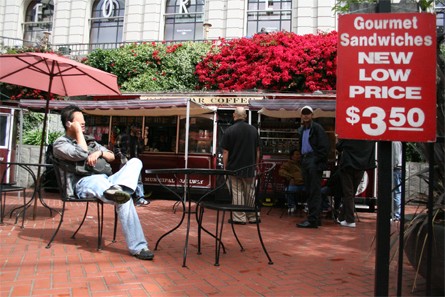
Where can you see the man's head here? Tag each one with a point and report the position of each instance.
(294, 155)
(70, 114)
(306, 114)
(239, 114)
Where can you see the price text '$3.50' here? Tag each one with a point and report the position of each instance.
(399, 119)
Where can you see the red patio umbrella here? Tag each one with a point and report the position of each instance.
(56, 75)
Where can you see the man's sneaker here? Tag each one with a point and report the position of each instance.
(291, 210)
(346, 224)
(116, 194)
(142, 202)
(145, 254)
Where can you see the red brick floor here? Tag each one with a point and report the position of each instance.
(329, 261)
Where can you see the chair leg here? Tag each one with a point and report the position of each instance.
(199, 219)
(100, 223)
(115, 224)
(62, 213)
(2, 206)
(234, 233)
(261, 238)
(24, 209)
(199, 215)
(83, 220)
(218, 235)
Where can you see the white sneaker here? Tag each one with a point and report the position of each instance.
(346, 224)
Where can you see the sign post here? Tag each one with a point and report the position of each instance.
(386, 91)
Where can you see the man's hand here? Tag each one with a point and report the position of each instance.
(92, 158)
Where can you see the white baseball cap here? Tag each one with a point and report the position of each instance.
(308, 108)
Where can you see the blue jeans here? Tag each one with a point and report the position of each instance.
(95, 185)
(291, 192)
(397, 195)
(139, 192)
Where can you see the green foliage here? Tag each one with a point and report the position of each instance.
(413, 153)
(32, 120)
(152, 66)
(343, 6)
(34, 136)
(425, 4)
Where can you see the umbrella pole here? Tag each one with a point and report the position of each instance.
(45, 119)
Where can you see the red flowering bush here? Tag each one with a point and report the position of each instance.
(280, 61)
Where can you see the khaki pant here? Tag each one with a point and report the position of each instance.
(243, 193)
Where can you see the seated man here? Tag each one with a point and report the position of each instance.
(116, 188)
(292, 172)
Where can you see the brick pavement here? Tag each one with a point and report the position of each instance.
(329, 261)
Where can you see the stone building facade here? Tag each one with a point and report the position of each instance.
(115, 21)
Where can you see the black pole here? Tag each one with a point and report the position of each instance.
(384, 202)
(402, 223)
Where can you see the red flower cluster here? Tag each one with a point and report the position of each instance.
(280, 61)
(27, 93)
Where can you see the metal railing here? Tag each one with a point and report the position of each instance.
(74, 49)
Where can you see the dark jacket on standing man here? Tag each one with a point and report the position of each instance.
(358, 154)
(319, 143)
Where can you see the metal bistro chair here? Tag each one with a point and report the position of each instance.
(252, 180)
(61, 175)
(9, 188)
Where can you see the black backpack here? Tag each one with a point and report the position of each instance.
(48, 179)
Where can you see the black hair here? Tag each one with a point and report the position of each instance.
(66, 114)
(292, 151)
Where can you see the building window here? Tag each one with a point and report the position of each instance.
(107, 22)
(268, 16)
(184, 19)
(38, 19)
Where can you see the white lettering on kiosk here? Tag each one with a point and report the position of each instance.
(394, 92)
(384, 74)
(384, 57)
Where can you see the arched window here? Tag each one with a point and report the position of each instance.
(38, 19)
(107, 22)
(184, 19)
(265, 16)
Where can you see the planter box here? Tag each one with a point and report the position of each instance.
(413, 251)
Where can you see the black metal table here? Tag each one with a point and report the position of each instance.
(185, 199)
(37, 187)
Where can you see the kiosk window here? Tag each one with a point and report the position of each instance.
(200, 134)
(160, 134)
(3, 130)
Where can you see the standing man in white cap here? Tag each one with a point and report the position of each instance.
(314, 148)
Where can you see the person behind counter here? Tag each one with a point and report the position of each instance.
(130, 146)
(291, 171)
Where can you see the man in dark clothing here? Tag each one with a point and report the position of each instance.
(314, 148)
(129, 146)
(240, 144)
(356, 157)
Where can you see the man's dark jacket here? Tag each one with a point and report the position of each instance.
(319, 142)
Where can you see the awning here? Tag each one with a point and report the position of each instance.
(133, 107)
(291, 108)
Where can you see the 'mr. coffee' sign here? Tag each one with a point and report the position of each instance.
(386, 77)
